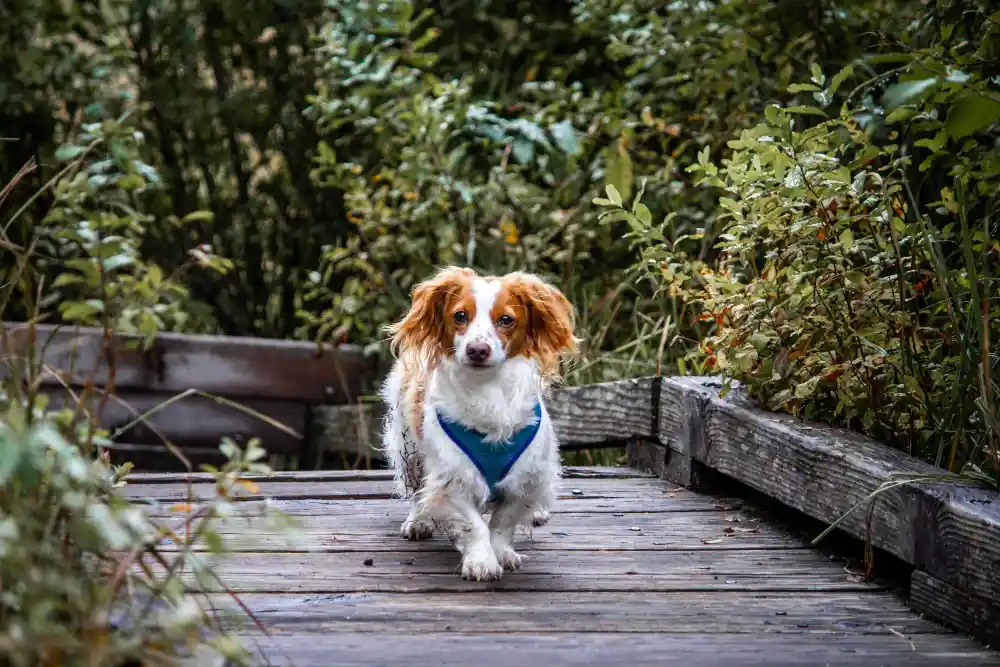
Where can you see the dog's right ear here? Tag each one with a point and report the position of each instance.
(424, 328)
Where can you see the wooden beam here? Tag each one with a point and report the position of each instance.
(233, 367)
(948, 529)
(609, 414)
(193, 421)
(956, 607)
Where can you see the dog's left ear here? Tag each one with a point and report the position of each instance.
(551, 321)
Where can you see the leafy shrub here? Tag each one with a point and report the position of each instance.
(852, 277)
(87, 578)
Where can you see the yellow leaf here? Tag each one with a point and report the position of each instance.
(249, 486)
(509, 231)
(181, 507)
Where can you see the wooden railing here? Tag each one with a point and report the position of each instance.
(177, 383)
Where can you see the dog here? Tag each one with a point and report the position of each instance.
(466, 429)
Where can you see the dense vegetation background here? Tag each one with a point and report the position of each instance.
(817, 216)
(798, 195)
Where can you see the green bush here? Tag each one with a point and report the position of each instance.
(87, 578)
(852, 273)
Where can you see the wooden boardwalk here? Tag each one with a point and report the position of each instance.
(631, 570)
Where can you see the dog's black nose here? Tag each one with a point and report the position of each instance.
(477, 352)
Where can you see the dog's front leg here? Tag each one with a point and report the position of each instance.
(507, 518)
(468, 532)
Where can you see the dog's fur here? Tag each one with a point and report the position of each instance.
(528, 326)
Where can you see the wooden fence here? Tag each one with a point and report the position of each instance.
(194, 390)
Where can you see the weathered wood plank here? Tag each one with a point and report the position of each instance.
(841, 613)
(949, 530)
(235, 367)
(598, 415)
(956, 607)
(158, 457)
(679, 501)
(602, 413)
(446, 649)
(196, 421)
(568, 571)
(958, 538)
(822, 472)
(592, 488)
(577, 531)
(569, 472)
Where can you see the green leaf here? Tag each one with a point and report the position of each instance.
(817, 74)
(523, 151)
(907, 91)
(846, 239)
(803, 88)
(643, 214)
(199, 216)
(78, 310)
(613, 194)
(619, 171)
(68, 152)
(64, 279)
(118, 261)
(565, 137)
(902, 113)
(805, 109)
(971, 113)
(839, 78)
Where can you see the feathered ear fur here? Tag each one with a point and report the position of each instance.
(551, 322)
(423, 330)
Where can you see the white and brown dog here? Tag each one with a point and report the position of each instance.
(466, 429)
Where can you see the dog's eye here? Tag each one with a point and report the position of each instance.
(506, 321)
(461, 317)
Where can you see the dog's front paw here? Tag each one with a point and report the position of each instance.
(417, 529)
(509, 559)
(481, 565)
(540, 518)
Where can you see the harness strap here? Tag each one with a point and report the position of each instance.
(492, 460)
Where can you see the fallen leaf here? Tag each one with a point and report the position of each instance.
(717, 541)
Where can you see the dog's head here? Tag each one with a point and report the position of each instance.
(481, 321)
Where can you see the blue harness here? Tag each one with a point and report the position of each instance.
(493, 459)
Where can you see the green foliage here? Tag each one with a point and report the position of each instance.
(850, 278)
(436, 172)
(87, 578)
(85, 251)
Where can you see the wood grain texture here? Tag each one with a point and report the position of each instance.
(569, 472)
(592, 416)
(956, 607)
(677, 501)
(678, 579)
(948, 529)
(603, 413)
(348, 429)
(584, 612)
(448, 649)
(566, 571)
(195, 421)
(379, 531)
(235, 367)
(362, 489)
(958, 538)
